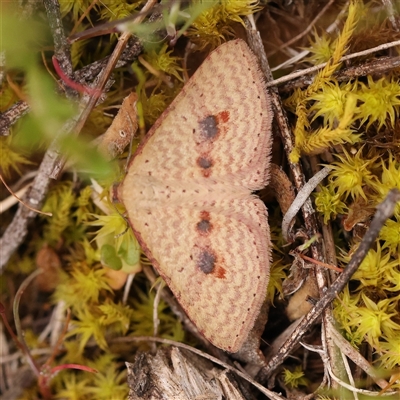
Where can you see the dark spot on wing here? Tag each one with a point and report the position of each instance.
(204, 162)
(204, 226)
(209, 127)
(206, 261)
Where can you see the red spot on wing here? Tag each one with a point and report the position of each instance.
(219, 272)
(206, 173)
(223, 116)
(205, 215)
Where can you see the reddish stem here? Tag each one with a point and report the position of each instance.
(8, 327)
(73, 366)
(72, 84)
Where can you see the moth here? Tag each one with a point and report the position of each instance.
(188, 195)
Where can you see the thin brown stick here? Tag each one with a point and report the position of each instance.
(316, 68)
(11, 116)
(62, 49)
(321, 264)
(376, 67)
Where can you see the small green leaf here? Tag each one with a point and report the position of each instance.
(129, 250)
(109, 257)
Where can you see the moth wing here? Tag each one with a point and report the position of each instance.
(215, 262)
(218, 126)
(188, 195)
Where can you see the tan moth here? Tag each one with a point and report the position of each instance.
(188, 195)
